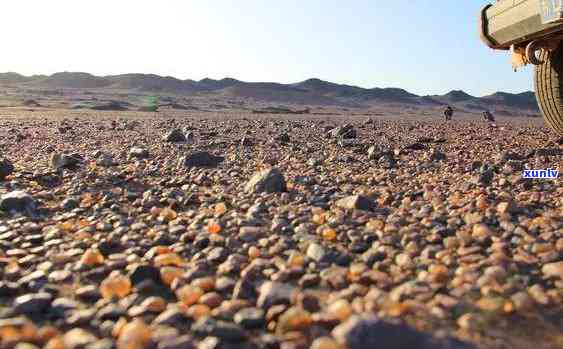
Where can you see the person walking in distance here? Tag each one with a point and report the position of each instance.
(488, 116)
(448, 113)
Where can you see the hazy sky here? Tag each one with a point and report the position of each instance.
(424, 46)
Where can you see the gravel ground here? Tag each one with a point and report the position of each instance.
(238, 231)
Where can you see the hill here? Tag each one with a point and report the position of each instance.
(308, 92)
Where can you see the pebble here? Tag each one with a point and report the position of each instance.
(553, 270)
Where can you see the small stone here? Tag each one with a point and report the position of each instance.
(282, 137)
(134, 335)
(340, 309)
(33, 303)
(250, 317)
(69, 204)
(346, 131)
(481, 231)
(522, 301)
(507, 207)
(269, 181)
(172, 316)
(92, 257)
(373, 152)
(101, 344)
(189, 294)
(272, 293)
(436, 155)
(469, 321)
(115, 285)
(553, 270)
(104, 159)
(294, 319)
(78, 338)
(325, 343)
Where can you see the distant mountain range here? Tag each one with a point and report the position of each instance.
(312, 91)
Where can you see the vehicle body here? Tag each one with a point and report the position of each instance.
(533, 32)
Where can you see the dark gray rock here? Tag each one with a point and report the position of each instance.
(175, 135)
(416, 146)
(33, 303)
(227, 331)
(250, 317)
(138, 153)
(69, 204)
(272, 293)
(19, 201)
(182, 342)
(6, 168)
(360, 332)
(200, 159)
(145, 272)
(346, 131)
(282, 137)
(63, 160)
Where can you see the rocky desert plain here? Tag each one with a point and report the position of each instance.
(147, 212)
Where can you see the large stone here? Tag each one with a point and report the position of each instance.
(269, 181)
(6, 168)
(367, 331)
(273, 293)
(138, 153)
(346, 131)
(17, 201)
(175, 135)
(182, 342)
(103, 159)
(225, 330)
(200, 159)
(357, 202)
(78, 338)
(63, 160)
(145, 272)
(316, 252)
(33, 303)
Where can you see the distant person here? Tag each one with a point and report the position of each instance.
(488, 116)
(448, 113)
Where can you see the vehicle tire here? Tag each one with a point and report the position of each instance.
(548, 81)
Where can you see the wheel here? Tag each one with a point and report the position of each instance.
(548, 81)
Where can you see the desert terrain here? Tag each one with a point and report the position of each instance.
(244, 220)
